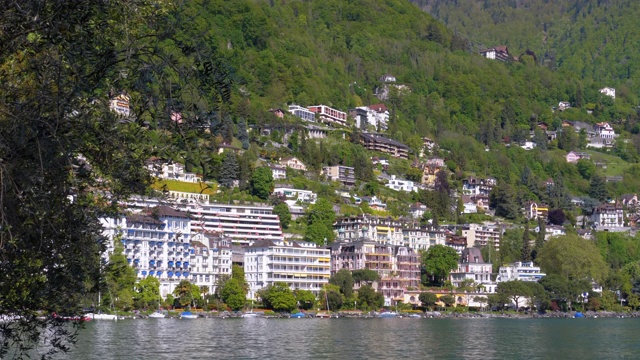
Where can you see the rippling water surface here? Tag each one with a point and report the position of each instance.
(360, 339)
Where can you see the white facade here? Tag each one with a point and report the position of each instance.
(330, 115)
(301, 265)
(469, 207)
(422, 239)
(302, 112)
(522, 271)
(172, 171)
(294, 195)
(605, 131)
(475, 186)
(611, 92)
(608, 216)
(472, 268)
(244, 224)
(401, 185)
(163, 246)
(278, 172)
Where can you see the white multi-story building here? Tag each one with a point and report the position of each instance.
(379, 229)
(473, 186)
(608, 216)
(330, 115)
(301, 265)
(292, 196)
(472, 267)
(302, 112)
(522, 271)
(156, 243)
(604, 130)
(159, 242)
(171, 171)
(422, 238)
(387, 231)
(375, 116)
(611, 92)
(278, 172)
(401, 185)
(244, 224)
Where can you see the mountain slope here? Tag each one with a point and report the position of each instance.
(596, 41)
(333, 52)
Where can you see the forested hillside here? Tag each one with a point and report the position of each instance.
(333, 52)
(593, 40)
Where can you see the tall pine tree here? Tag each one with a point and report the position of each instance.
(229, 170)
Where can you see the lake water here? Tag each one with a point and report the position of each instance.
(351, 338)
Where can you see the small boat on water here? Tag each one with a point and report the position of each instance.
(297, 316)
(249, 315)
(102, 316)
(188, 315)
(388, 315)
(415, 316)
(156, 315)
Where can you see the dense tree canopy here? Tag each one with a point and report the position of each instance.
(573, 258)
(438, 261)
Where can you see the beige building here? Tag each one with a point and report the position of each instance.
(397, 266)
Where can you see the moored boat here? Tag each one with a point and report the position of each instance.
(188, 315)
(156, 315)
(249, 315)
(388, 315)
(102, 316)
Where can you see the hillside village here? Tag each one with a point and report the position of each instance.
(315, 220)
(317, 158)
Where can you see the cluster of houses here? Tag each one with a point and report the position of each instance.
(200, 241)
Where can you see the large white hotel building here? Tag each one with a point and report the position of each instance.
(300, 265)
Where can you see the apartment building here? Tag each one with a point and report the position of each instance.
(375, 142)
(343, 174)
(156, 243)
(171, 171)
(244, 224)
(301, 265)
(386, 230)
(521, 271)
(293, 196)
(401, 185)
(211, 258)
(473, 186)
(472, 267)
(421, 238)
(382, 230)
(482, 235)
(608, 216)
(397, 266)
(302, 112)
(329, 115)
